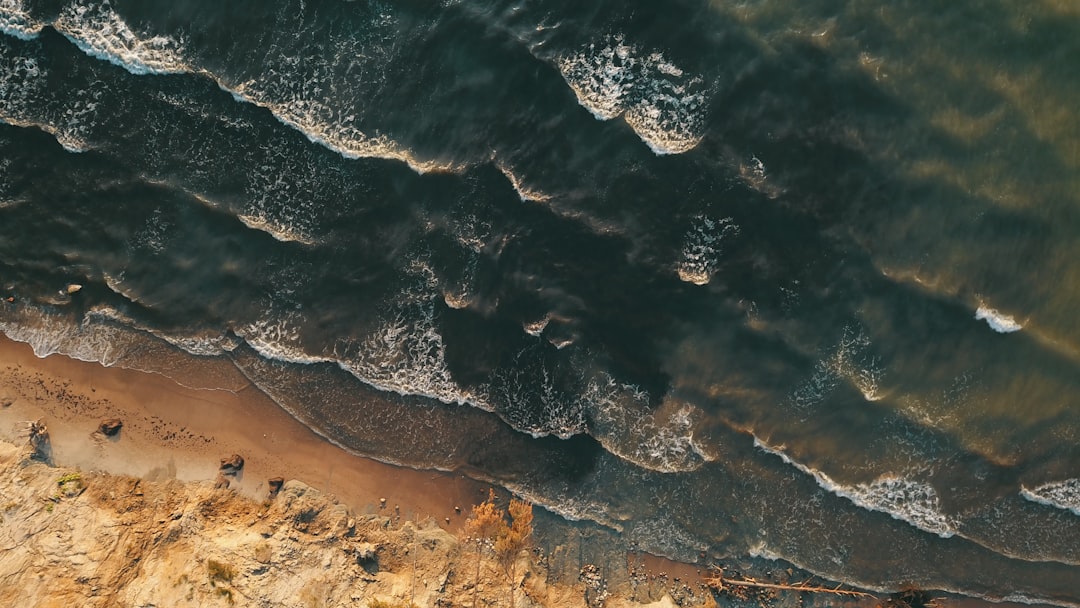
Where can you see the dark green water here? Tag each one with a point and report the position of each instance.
(790, 279)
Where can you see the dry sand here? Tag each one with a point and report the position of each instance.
(175, 431)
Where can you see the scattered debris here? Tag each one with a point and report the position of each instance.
(275, 484)
(232, 465)
(110, 427)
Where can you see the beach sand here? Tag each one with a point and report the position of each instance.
(173, 431)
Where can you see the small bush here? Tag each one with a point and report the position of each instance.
(219, 572)
(70, 485)
(68, 478)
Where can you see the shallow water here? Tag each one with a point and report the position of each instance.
(787, 279)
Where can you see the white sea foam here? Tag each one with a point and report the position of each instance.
(1001, 323)
(664, 537)
(661, 103)
(50, 332)
(528, 386)
(850, 359)
(406, 354)
(282, 195)
(200, 345)
(283, 233)
(279, 339)
(760, 550)
(23, 83)
(154, 233)
(703, 246)
(536, 328)
(1059, 494)
(99, 31)
(285, 90)
(914, 502)
(16, 21)
(660, 439)
(525, 193)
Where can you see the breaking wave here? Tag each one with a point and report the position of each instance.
(22, 80)
(624, 423)
(1001, 323)
(850, 359)
(100, 32)
(701, 253)
(1059, 494)
(914, 502)
(16, 21)
(662, 104)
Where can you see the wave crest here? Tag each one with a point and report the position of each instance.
(1059, 494)
(100, 32)
(999, 322)
(660, 102)
(907, 500)
(16, 21)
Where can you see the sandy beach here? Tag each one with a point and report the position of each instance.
(172, 431)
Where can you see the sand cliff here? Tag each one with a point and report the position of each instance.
(72, 538)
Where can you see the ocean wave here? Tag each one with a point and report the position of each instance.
(999, 322)
(664, 537)
(340, 134)
(914, 502)
(1059, 494)
(662, 104)
(49, 333)
(760, 550)
(281, 198)
(23, 85)
(281, 232)
(404, 355)
(97, 30)
(850, 359)
(531, 397)
(66, 141)
(207, 345)
(623, 422)
(525, 193)
(702, 248)
(570, 508)
(16, 21)
(100, 32)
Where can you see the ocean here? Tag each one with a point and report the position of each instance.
(790, 279)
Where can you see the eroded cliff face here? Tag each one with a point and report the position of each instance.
(72, 538)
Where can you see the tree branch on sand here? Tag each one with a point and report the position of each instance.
(719, 582)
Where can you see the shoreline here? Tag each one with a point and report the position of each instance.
(175, 431)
